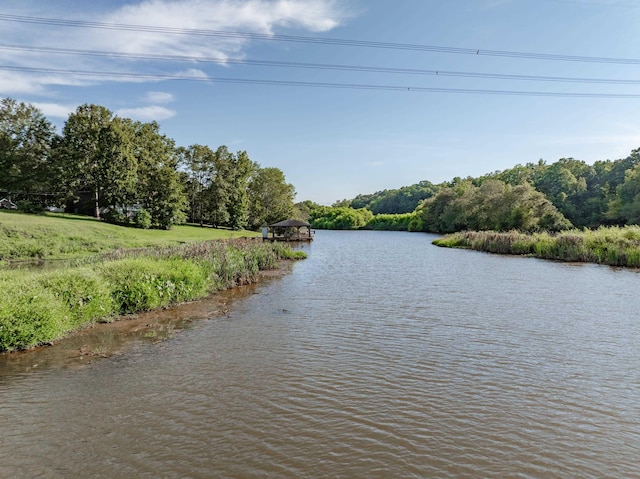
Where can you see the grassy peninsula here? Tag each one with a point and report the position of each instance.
(615, 246)
(39, 306)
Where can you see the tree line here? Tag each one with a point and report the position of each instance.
(129, 172)
(531, 197)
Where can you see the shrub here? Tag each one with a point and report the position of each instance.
(85, 294)
(142, 219)
(140, 284)
(30, 207)
(115, 217)
(43, 306)
(30, 315)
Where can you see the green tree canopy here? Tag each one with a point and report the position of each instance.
(96, 154)
(25, 141)
(270, 197)
(493, 205)
(159, 189)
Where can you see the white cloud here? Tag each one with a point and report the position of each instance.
(147, 113)
(159, 97)
(168, 16)
(193, 73)
(55, 110)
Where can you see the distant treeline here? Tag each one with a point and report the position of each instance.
(129, 173)
(532, 197)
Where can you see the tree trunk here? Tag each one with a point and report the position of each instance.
(97, 211)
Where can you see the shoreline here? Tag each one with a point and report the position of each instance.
(47, 305)
(101, 340)
(610, 246)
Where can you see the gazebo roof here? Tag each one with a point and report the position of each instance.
(289, 223)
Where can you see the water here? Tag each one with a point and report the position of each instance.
(379, 356)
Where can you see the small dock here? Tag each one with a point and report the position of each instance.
(288, 230)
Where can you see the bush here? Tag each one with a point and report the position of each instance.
(86, 295)
(140, 284)
(42, 306)
(30, 315)
(30, 207)
(142, 219)
(115, 217)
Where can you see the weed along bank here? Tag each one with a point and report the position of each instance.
(288, 230)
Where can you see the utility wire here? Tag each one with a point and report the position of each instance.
(314, 40)
(320, 66)
(354, 86)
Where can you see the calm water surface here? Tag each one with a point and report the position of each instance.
(379, 356)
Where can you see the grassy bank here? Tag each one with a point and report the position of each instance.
(616, 246)
(41, 306)
(59, 236)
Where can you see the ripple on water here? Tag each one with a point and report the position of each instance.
(379, 356)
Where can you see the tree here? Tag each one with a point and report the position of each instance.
(241, 170)
(159, 188)
(565, 183)
(270, 197)
(95, 154)
(626, 205)
(339, 218)
(25, 141)
(199, 162)
(402, 200)
(493, 205)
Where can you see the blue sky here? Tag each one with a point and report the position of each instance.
(334, 143)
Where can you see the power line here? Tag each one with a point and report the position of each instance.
(353, 86)
(315, 40)
(321, 66)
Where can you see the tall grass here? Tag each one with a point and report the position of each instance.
(615, 246)
(41, 306)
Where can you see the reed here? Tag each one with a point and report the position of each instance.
(615, 246)
(41, 306)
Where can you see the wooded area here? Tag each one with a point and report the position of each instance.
(531, 197)
(128, 172)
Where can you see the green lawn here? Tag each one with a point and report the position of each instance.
(59, 236)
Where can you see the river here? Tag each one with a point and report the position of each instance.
(380, 356)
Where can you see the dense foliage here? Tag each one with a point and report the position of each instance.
(129, 173)
(494, 205)
(587, 195)
(402, 200)
(47, 304)
(531, 197)
(339, 218)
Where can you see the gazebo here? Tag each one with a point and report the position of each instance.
(288, 230)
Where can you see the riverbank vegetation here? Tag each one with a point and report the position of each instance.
(129, 173)
(39, 306)
(615, 246)
(60, 236)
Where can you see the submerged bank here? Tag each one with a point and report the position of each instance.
(42, 306)
(614, 246)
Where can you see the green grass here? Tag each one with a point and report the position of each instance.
(39, 306)
(60, 236)
(615, 246)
